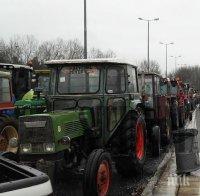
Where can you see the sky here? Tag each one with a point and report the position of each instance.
(112, 24)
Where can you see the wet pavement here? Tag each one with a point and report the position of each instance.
(182, 185)
(171, 184)
(70, 184)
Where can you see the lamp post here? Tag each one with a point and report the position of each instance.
(175, 60)
(166, 45)
(85, 29)
(148, 24)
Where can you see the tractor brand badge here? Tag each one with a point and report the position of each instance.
(59, 129)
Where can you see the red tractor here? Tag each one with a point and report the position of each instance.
(21, 76)
(8, 125)
(156, 110)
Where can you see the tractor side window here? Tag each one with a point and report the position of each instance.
(115, 80)
(132, 84)
(4, 90)
(148, 85)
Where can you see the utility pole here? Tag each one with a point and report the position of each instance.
(85, 29)
(166, 55)
(148, 22)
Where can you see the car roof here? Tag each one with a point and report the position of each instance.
(15, 66)
(89, 61)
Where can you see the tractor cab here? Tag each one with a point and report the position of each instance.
(20, 77)
(6, 96)
(34, 101)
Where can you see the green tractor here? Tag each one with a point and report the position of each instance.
(94, 113)
(34, 101)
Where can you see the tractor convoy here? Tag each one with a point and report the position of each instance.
(84, 113)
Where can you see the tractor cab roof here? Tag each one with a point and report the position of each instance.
(99, 61)
(4, 74)
(14, 66)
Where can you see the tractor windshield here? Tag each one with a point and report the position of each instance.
(43, 82)
(78, 80)
(4, 90)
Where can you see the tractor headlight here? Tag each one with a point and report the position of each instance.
(25, 148)
(49, 147)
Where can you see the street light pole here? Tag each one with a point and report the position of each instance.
(166, 57)
(148, 49)
(148, 22)
(85, 29)
(175, 61)
(166, 60)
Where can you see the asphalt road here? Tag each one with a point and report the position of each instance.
(70, 185)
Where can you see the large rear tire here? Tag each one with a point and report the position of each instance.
(98, 173)
(133, 148)
(8, 130)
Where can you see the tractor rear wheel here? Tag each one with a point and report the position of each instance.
(8, 130)
(133, 149)
(98, 173)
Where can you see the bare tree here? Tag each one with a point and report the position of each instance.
(97, 53)
(189, 75)
(153, 66)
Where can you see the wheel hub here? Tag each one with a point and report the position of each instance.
(103, 178)
(139, 141)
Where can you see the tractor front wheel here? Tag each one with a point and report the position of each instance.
(98, 172)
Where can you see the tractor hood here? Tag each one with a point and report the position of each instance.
(53, 127)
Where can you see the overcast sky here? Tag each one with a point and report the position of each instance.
(112, 24)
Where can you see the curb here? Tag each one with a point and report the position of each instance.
(153, 181)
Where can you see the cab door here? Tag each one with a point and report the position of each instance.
(115, 97)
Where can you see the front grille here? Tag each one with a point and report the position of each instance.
(37, 148)
(35, 134)
(75, 128)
